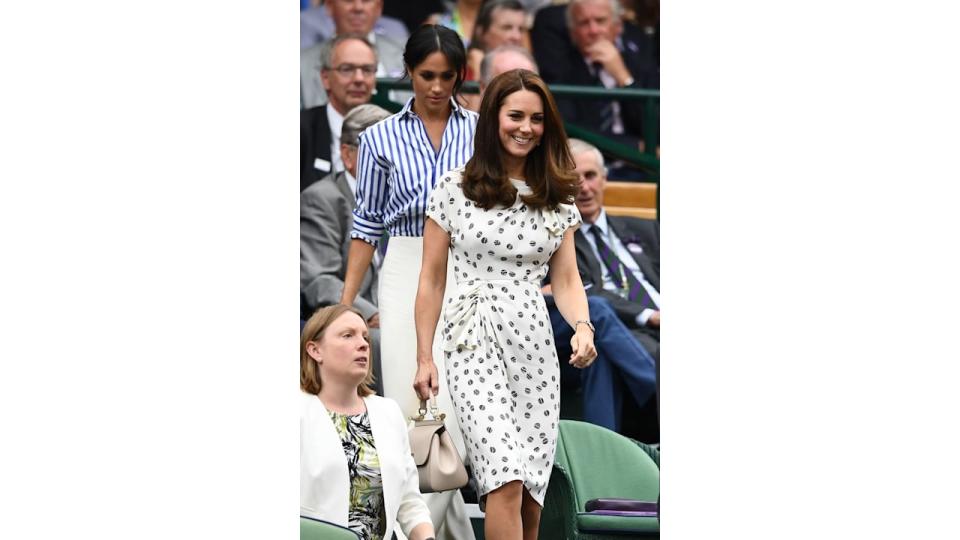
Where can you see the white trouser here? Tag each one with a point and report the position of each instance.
(399, 277)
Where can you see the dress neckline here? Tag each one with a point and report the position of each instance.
(521, 185)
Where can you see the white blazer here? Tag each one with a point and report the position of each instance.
(325, 479)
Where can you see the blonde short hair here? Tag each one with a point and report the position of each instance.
(313, 331)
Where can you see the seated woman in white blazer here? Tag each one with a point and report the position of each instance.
(356, 469)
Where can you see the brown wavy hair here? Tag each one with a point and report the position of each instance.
(313, 331)
(549, 167)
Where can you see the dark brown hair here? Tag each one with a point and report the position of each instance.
(549, 167)
(431, 38)
(313, 331)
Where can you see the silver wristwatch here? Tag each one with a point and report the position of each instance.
(588, 323)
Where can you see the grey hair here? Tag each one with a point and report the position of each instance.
(358, 119)
(579, 146)
(326, 50)
(487, 64)
(616, 10)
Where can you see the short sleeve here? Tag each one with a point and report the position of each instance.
(570, 216)
(557, 221)
(443, 200)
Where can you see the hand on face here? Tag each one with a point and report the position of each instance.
(606, 53)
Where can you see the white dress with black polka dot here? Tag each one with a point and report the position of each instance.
(501, 361)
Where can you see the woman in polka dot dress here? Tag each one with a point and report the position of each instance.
(503, 221)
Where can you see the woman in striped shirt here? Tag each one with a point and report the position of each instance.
(398, 164)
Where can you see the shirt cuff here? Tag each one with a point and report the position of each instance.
(368, 231)
(644, 316)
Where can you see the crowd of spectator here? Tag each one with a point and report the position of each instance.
(601, 43)
(356, 156)
(347, 44)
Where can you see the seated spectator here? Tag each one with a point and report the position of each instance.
(326, 219)
(500, 22)
(503, 59)
(459, 16)
(317, 26)
(619, 263)
(597, 49)
(350, 17)
(347, 65)
(356, 467)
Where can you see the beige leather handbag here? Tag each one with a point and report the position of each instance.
(438, 461)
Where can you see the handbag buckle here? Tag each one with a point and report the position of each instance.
(434, 411)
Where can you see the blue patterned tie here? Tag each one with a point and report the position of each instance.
(629, 285)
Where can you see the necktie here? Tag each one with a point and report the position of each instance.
(606, 109)
(630, 286)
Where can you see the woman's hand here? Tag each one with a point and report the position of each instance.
(426, 383)
(584, 353)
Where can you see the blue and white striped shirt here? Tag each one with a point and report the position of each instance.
(397, 169)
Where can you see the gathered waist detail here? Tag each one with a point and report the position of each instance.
(468, 312)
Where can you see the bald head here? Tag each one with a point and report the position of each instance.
(503, 59)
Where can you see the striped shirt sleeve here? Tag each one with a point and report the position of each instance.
(372, 189)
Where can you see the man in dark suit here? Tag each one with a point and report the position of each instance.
(586, 43)
(619, 263)
(326, 218)
(348, 73)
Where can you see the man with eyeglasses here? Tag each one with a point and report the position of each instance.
(348, 67)
(351, 17)
(326, 218)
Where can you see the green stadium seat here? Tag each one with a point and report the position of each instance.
(315, 529)
(592, 463)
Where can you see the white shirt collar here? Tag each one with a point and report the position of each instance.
(335, 120)
(601, 223)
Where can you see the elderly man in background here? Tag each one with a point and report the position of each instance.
(592, 46)
(347, 71)
(354, 17)
(326, 218)
(619, 262)
(317, 26)
(503, 59)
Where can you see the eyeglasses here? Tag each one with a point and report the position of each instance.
(349, 69)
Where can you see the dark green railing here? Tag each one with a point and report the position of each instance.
(647, 160)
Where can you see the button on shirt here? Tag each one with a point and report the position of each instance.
(625, 257)
(397, 168)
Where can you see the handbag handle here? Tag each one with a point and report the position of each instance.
(434, 410)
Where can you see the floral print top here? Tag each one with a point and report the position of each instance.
(367, 516)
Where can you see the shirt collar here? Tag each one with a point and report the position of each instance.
(335, 120)
(407, 110)
(601, 223)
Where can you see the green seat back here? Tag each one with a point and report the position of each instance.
(605, 464)
(312, 529)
